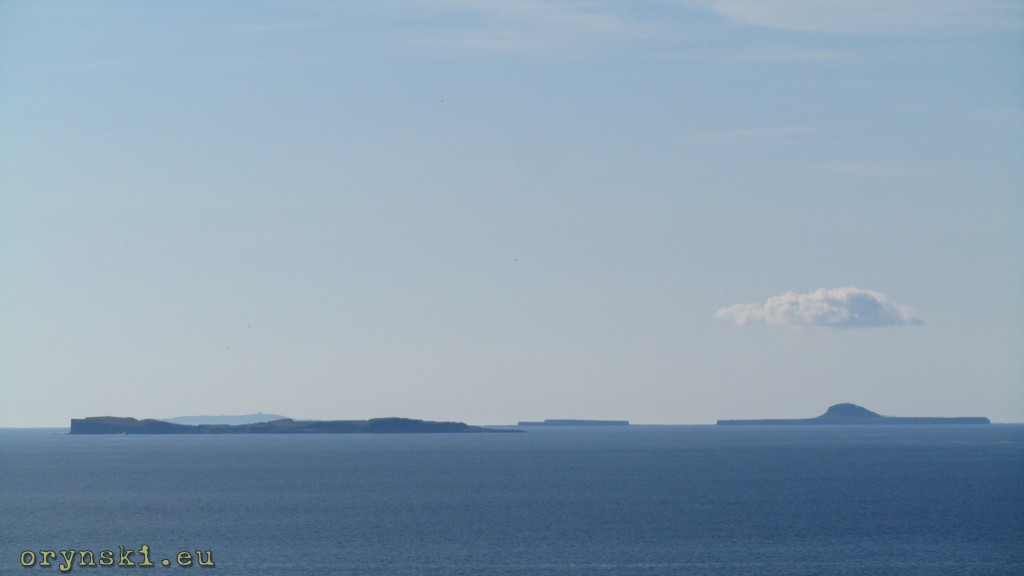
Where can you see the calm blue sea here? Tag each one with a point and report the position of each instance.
(640, 501)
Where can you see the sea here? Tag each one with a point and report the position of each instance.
(642, 500)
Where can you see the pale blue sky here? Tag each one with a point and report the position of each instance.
(510, 210)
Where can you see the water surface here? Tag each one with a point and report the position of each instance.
(568, 501)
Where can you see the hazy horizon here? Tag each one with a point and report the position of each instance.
(662, 211)
(510, 423)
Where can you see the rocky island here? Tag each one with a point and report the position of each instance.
(115, 425)
(843, 414)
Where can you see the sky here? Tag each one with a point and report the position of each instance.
(663, 211)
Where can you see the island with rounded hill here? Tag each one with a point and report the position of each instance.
(851, 414)
(116, 425)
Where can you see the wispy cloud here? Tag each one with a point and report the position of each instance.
(570, 16)
(880, 170)
(847, 307)
(754, 136)
(1009, 119)
(276, 27)
(525, 26)
(871, 16)
(496, 42)
(89, 66)
(791, 55)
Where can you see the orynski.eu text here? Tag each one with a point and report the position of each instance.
(144, 557)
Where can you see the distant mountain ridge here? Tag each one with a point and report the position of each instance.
(116, 425)
(240, 419)
(568, 422)
(851, 414)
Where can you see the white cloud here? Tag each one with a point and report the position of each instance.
(848, 307)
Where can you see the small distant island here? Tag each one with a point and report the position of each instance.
(577, 423)
(843, 414)
(115, 425)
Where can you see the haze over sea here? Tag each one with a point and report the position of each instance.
(697, 500)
